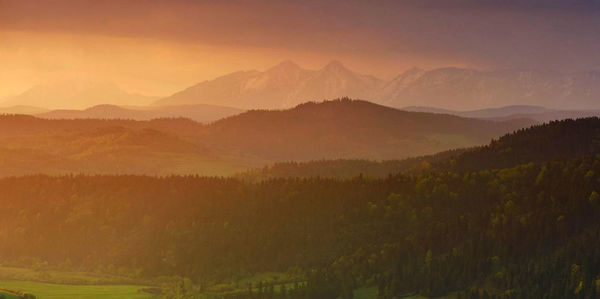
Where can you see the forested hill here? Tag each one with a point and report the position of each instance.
(347, 169)
(566, 138)
(528, 231)
(540, 143)
(351, 129)
(340, 129)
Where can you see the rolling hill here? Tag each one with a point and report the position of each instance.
(23, 109)
(339, 129)
(522, 224)
(75, 95)
(538, 113)
(350, 129)
(500, 112)
(200, 113)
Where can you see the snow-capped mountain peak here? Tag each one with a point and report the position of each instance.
(287, 84)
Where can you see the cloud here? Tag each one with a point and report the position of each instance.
(527, 33)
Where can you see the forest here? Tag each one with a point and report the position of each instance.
(336, 129)
(517, 218)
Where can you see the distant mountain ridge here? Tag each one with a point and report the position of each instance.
(537, 113)
(200, 112)
(282, 86)
(22, 109)
(76, 95)
(484, 113)
(287, 84)
(463, 89)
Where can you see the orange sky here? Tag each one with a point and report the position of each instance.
(159, 47)
(150, 66)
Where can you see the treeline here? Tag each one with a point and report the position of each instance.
(340, 169)
(339, 129)
(345, 168)
(512, 230)
(567, 139)
(557, 140)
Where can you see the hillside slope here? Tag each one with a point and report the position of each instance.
(200, 113)
(527, 231)
(341, 129)
(351, 129)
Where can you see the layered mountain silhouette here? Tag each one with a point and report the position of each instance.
(200, 112)
(537, 113)
(287, 85)
(23, 109)
(505, 111)
(282, 86)
(461, 89)
(348, 129)
(75, 94)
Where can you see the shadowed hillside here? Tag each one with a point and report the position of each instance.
(566, 138)
(340, 129)
(491, 233)
(351, 129)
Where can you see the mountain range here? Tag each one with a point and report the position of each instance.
(282, 86)
(348, 129)
(287, 85)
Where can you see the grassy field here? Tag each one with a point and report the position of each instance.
(366, 293)
(241, 284)
(52, 291)
(69, 284)
(63, 284)
(61, 277)
(7, 295)
(371, 293)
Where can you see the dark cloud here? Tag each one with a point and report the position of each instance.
(499, 34)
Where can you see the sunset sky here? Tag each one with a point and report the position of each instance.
(159, 47)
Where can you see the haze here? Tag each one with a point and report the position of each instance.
(158, 48)
(317, 149)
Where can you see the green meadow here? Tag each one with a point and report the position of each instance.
(50, 284)
(50, 291)
(8, 295)
(371, 293)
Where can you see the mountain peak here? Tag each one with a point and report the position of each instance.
(335, 65)
(285, 68)
(286, 64)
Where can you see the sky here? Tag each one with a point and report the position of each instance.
(159, 47)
